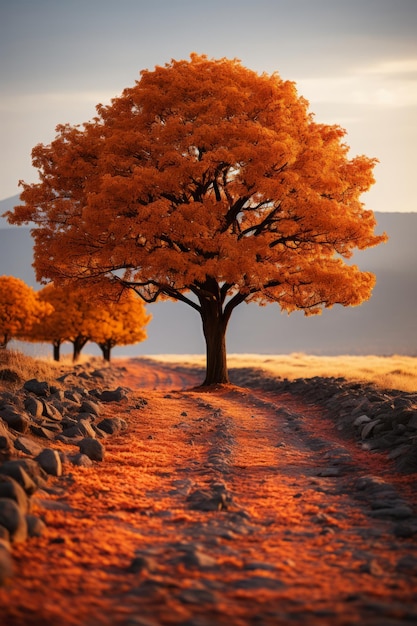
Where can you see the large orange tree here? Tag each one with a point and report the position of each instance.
(210, 184)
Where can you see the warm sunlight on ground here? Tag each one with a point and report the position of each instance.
(391, 372)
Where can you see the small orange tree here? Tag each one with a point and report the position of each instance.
(66, 321)
(78, 318)
(20, 309)
(118, 323)
(209, 184)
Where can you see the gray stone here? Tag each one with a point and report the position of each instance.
(33, 406)
(50, 462)
(361, 419)
(12, 518)
(88, 406)
(93, 448)
(51, 412)
(43, 432)
(112, 425)
(6, 439)
(39, 388)
(368, 428)
(82, 429)
(27, 445)
(15, 419)
(81, 460)
(10, 488)
(21, 469)
(36, 527)
(6, 562)
(115, 395)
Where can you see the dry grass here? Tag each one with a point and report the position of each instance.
(391, 372)
(16, 367)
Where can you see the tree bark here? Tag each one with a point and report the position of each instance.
(78, 345)
(214, 329)
(56, 350)
(106, 350)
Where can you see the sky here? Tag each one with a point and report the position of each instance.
(355, 62)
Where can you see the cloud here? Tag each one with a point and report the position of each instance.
(388, 84)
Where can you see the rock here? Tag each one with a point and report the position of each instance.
(111, 396)
(6, 440)
(50, 462)
(92, 448)
(14, 419)
(27, 445)
(51, 412)
(82, 429)
(6, 563)
(81, 460)
(143, 563)
(112, 425)
(12, 518)
(36, 527)
(39, 388)
(10, 488)
(40, 431)
(33, 406)
(368, 428)
(88, 406)
(26, 472)
(361, 419)
(9, 376)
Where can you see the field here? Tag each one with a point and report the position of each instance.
(391, 372)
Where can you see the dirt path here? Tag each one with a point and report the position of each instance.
(235, 507)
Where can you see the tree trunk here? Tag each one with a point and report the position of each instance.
(214, 329)
(78, 345)
(106, 350)
(56, 350)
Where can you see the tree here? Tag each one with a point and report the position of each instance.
(67, 321)
(118, 323)
(209, 184)
(78, 318)
(20, 309)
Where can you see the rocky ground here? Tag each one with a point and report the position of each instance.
(129, 496)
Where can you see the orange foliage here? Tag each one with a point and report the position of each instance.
(20, 309)
(207, 183)
(79, 318)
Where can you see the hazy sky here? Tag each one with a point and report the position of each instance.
(354, 60)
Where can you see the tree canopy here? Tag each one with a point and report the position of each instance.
(20, 309)
(207, 183)
(78, 318)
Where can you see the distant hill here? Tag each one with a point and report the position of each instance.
(386, 324)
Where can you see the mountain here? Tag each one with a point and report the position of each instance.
(384, 325)
(7, 205)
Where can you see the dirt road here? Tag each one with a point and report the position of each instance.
(232, 507)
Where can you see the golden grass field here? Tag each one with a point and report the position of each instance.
(390, 372)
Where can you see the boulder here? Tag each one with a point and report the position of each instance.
(12, 518)
(26, 472)
(50, 462)
(36, 527)
(92, 448)
(14, 419)
(10, 488)
(33, 406)
(112, 425)
(93, 408)
(37, 387)
(6, 563)
(27, 445)
(5, 438)
(115, 395)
